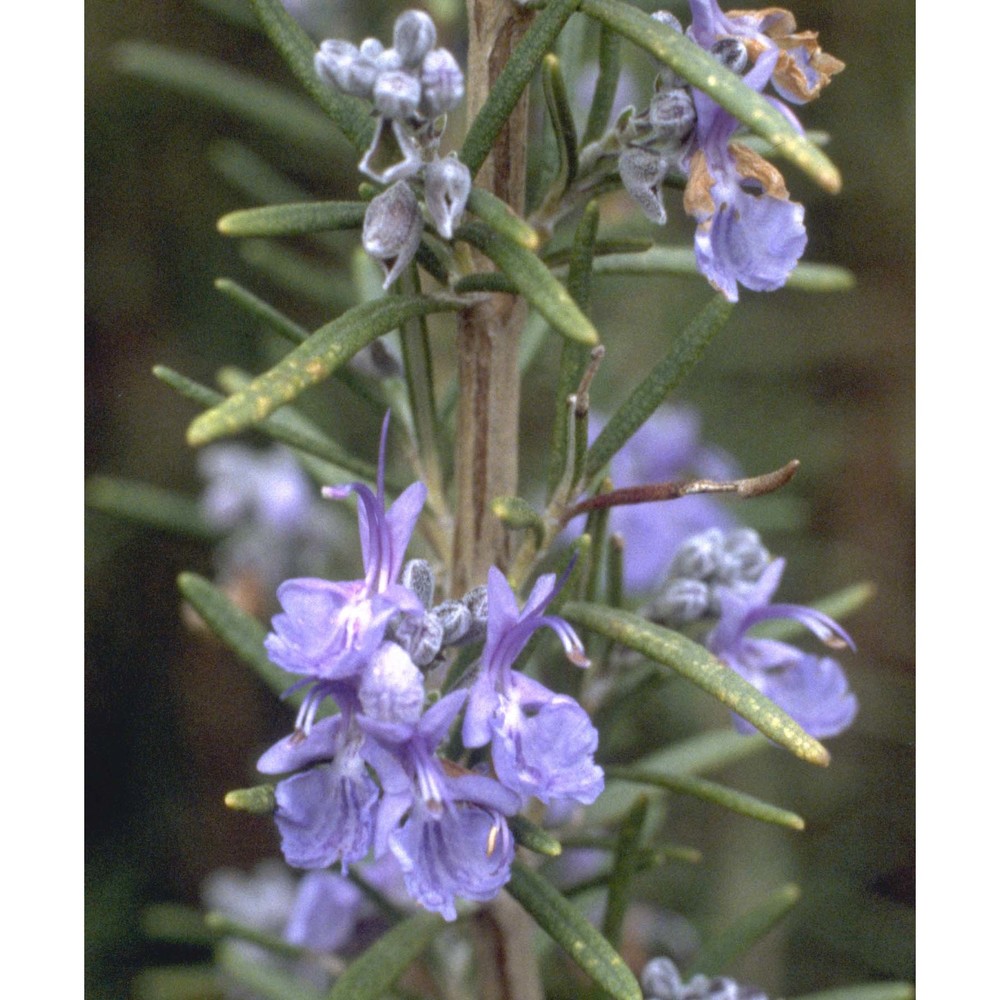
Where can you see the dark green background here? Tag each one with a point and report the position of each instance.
(172, 723)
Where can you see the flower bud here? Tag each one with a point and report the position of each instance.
(413, 36)
(477, 601)
(392, 688)
(642, 171)
(672, 114)
(333, 62)
(455, 620)
(660, 979)
(421, 638)
(667, 18)
(391, 231)
(447, 184)
(732, 53)
(682, 600)
(388, 62)
(699, 556)
(418, 576)
(442, 82)
(396, 94)
(744, 556)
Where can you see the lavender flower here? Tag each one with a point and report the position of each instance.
(329, 630)
(445, 826)
(748, 233)
(812, 690)
(801, 69)
(542, 743)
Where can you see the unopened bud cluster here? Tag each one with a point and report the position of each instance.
(715, 558)
(661, 980)
(450, 623)
(412, 85)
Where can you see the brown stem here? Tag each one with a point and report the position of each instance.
(488, 331)
(753, 486)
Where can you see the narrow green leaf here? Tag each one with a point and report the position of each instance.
(837, 605)
(176, 923)
(263, 311)
(497, 213)
(557, 916)
(609, 63)
(523, 62)
(575, 357)
(865, 991)
(350, 114)
(534, 838)
(554, 89)
(241, 632)
(177, 982)
(326, 350)
(680, 260)
(299, 274)
(226, 926)
(235, 11)
(709, 791)
(517, 513)
(665, 376)
(258, 800)
(293, 220)
(627, 849)
(533, 280)
(265, 981)
(285, 115)
(292, 428)
(370, 975)
(694, 662)
(556, 256)
(149, 505)
(724, 87)
(716, 954)
(485, 281)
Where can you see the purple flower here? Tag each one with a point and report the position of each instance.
(748, 232)
(329, 630)
(445, 826)
(543, 743)
(801, 69)
(812, 690)
(667, 447)
(325, 913)
(326, 813)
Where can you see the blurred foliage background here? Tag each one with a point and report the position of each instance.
(173, 722)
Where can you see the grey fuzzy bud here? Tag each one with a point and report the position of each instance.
(660, 980)
(418, 576)
(371, 48)
(388, 62)
(396, 94)
(672, 114)
(447, 184)
(455, 620)
(642, 171)
(442, 82)
(333, 62)
(667, 18)
(421, 638)
(477, 601)
(682, 600)
(732, 53)
(392, 688)
(744, 556)
(392, 228)
(413, 36)
(699, 556)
